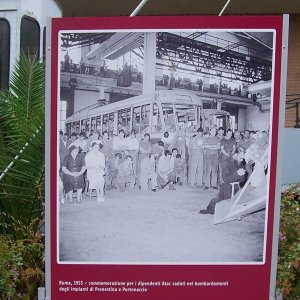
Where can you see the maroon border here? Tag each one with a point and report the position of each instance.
(245, 281)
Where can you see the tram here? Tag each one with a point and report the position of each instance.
(23, 28)
(154, 113)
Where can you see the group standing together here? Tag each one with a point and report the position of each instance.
(103, 162)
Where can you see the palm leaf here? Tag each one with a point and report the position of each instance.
(22, 145)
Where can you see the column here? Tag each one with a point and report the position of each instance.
(149, 62)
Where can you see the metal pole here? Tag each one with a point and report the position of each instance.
(138, 8)
(297, 115)
(283, 80)
(47, 162)
(223, 9)
(41, 293)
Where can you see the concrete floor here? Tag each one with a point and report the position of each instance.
(161, 227)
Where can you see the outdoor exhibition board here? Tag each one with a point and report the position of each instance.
(145, 245)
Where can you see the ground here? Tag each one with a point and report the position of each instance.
(161, 227)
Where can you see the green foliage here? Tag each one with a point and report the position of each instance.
(288, 272)
(10, 263)
(22, 183)
(22, 144)
(21, 267)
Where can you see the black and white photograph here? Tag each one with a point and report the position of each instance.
(164, 146)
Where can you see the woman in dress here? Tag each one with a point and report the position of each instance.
(145, 147)
(196, 159)
(73, 168)
(95, 165)
(107, 150)
(145, 150)
(228, 147)
(133, 149)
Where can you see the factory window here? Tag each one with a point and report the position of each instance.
(141, 116)
(30, 37)
(93, 124)
(4, 53)
(111, 123)
(88, 125)
(156, 119)
(136, 121)
(145, 117)
(124, 119)
(169, 117)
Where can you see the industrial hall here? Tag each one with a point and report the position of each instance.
(173, 123)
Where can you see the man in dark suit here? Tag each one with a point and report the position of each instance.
(233, 171)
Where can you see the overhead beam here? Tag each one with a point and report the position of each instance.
(179, 49)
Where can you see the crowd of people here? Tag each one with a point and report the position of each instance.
(204, 160)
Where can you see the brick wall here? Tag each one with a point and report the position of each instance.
(293, 74)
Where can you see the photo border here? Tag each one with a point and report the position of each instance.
(269, 156)
(232, 273)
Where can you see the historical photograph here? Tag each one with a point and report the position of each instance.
(164, 146)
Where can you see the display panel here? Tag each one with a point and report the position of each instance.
(163, 156)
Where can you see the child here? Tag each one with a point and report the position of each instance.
(125, 175)
(113, 170)
(165, 171)
(158, 150)
(174, 153)
(179, 169)
(167, 140)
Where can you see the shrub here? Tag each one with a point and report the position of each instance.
(21, 267)
(288, 272)
(22, 165)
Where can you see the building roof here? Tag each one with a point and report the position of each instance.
(72, 8)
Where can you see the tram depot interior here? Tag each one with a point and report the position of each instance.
(192, 7)
(115, 63)
(74, 8)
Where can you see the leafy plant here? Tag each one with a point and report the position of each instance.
(288, 272)
(22, 144)
(22, 181)
(10, 262)
(21, 267)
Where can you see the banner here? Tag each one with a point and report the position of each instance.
(164, 137)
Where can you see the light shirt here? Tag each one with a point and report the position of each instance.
(196, 143)
(179, 164)
(147, 166)
(90, 141)
(119, 144)
(167, 140)
(132, 143)
(64, 142)
(245, 143)
(214, 143)
(165, 165)
(125, 169)
(107, 147)
(82, 144)
(145, 147)
(95, 160)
